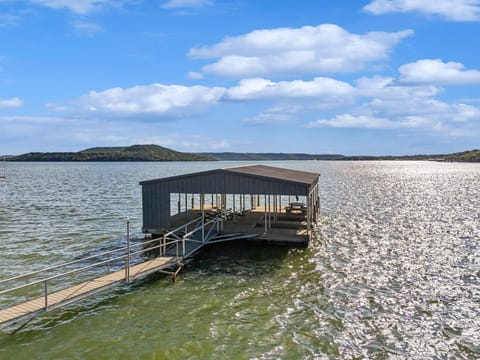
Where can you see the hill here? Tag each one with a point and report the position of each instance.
(159, 153)
(120, 153)
(465, 156)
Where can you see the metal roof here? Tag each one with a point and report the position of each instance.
(272, 172)
(258, 171)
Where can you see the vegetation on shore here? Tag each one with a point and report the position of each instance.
(159, 153)
(232, 156)
(123, 153)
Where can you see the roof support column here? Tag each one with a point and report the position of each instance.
(309, 212)
(266, 221)
(234, 209)
(269, 212)
(186, 207)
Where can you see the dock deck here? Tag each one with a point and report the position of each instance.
(285, 229)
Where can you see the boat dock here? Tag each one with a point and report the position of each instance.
(181, 215)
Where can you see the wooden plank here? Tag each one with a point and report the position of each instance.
(82, 290)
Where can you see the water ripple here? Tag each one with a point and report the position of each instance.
(394, 272)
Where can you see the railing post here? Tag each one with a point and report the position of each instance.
(45, 289)
(127, 270)
(162, 247)
(183, 246)
(176, 250)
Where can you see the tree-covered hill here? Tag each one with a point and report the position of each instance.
(127, 153)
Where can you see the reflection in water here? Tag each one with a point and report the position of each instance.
(395, 271)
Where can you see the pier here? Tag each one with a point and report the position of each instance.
(256, 202)
(181, 215)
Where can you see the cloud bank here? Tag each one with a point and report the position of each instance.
(154, 100)
(435, 71)
(454, 10)
(325, 48)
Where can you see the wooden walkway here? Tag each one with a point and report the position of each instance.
(80, 291)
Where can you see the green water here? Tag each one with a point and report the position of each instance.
(394, 273)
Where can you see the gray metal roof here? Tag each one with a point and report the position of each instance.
(257, 171)
(271, 172)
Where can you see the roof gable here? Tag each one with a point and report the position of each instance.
(258, 171)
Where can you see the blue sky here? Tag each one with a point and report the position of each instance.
(351, 77)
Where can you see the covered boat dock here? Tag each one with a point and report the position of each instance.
(256, 202)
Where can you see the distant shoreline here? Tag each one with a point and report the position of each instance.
(152, 153)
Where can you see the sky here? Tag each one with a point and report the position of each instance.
(372, 77)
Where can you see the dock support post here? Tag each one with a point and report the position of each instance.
(45, 289)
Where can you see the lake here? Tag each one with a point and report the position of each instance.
(394, 272)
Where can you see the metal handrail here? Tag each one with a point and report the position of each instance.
(61, 265)
(177, 240)
(58, 266)
(182, 227)
(82, 268)
(59, 275)
(199, 228)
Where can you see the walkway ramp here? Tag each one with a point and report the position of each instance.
(81, 291)
(171, 250)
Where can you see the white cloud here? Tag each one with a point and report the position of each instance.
(351, 121)
(88, 29)
(177, 4)
(432, 108)
(270, 117)
(435, 71)
(259, 88)
(324, 48)
(155, 99)
(412, 106)
(456, 10)
(392, 106)
(10, 103)
(77, 6)
(387, 88)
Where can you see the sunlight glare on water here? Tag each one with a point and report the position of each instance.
(394, 272)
